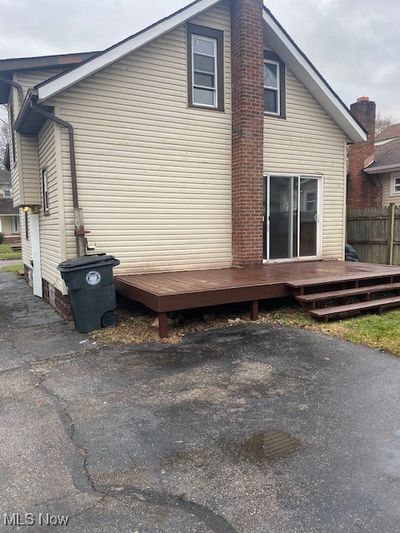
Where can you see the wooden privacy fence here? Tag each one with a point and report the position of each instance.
(375, 233)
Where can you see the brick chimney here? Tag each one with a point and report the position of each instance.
(363, 191)
(247, 131)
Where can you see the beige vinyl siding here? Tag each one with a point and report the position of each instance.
(50, 247)
(27, 192)
(309, 142)
(16, 175)
(24, 175)
(30, 78)
(387, 190)
(28, 165)
(154, 176)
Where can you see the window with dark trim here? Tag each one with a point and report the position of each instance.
(274, 85)
(205, 61)
(45, 191)
(26, 224)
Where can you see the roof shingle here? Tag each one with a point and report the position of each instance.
(6, 207)
(386, 155)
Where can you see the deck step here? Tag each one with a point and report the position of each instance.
(331, 280)
(327, 312)
(347, 293)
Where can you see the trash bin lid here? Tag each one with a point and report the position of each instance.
(88, 261)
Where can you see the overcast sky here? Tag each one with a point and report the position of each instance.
(354, 43)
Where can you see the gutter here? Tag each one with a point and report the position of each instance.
(382, 169)
(50, 116)
(17, 86)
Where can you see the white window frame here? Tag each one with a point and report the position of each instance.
(307, 201)
(215, 57)
(395, 177)
(277, 88)
(45, 190)
(7, 192)
(319, 217)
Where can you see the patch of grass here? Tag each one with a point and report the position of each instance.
(6, 252)
(11, 268)
(381, 332)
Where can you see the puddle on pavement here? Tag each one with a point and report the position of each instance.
(269, 446)
(262, 447)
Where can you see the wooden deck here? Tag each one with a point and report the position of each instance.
(174, 291)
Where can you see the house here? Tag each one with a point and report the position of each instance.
(374, 165)
(386, 165)
(9, 215)
(205, 141)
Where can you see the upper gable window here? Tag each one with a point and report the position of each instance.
(274, 85)
(205, 67)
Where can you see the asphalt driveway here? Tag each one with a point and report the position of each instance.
(248, 429)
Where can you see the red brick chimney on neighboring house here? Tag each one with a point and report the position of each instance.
(363, 191)
(247, 131)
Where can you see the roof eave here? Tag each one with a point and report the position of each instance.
(279, 38)
(28, 122)
(306, 72)
(383, 169)
(57, 84)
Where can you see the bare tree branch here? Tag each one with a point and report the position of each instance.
(3, 132)
(383, 121)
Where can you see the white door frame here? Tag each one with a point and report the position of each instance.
(34, 229)
(319, 179)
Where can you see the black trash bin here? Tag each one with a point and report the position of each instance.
(90, 285)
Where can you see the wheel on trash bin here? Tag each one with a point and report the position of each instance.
(109, 319)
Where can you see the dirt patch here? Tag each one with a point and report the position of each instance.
(141, 328)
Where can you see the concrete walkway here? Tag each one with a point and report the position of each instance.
(10, 262)
(248, 429)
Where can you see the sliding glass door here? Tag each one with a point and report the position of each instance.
(291, 217)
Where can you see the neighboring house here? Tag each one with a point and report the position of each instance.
(204, 141)
(9, 215)
(374, 165)
(386, 165)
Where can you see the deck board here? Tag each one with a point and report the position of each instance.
(170, 291)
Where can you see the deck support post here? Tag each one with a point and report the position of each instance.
(163, 325)
(254, 310)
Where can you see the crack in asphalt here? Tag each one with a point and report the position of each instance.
(83, 481)
(214, 521)
(80, 472)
